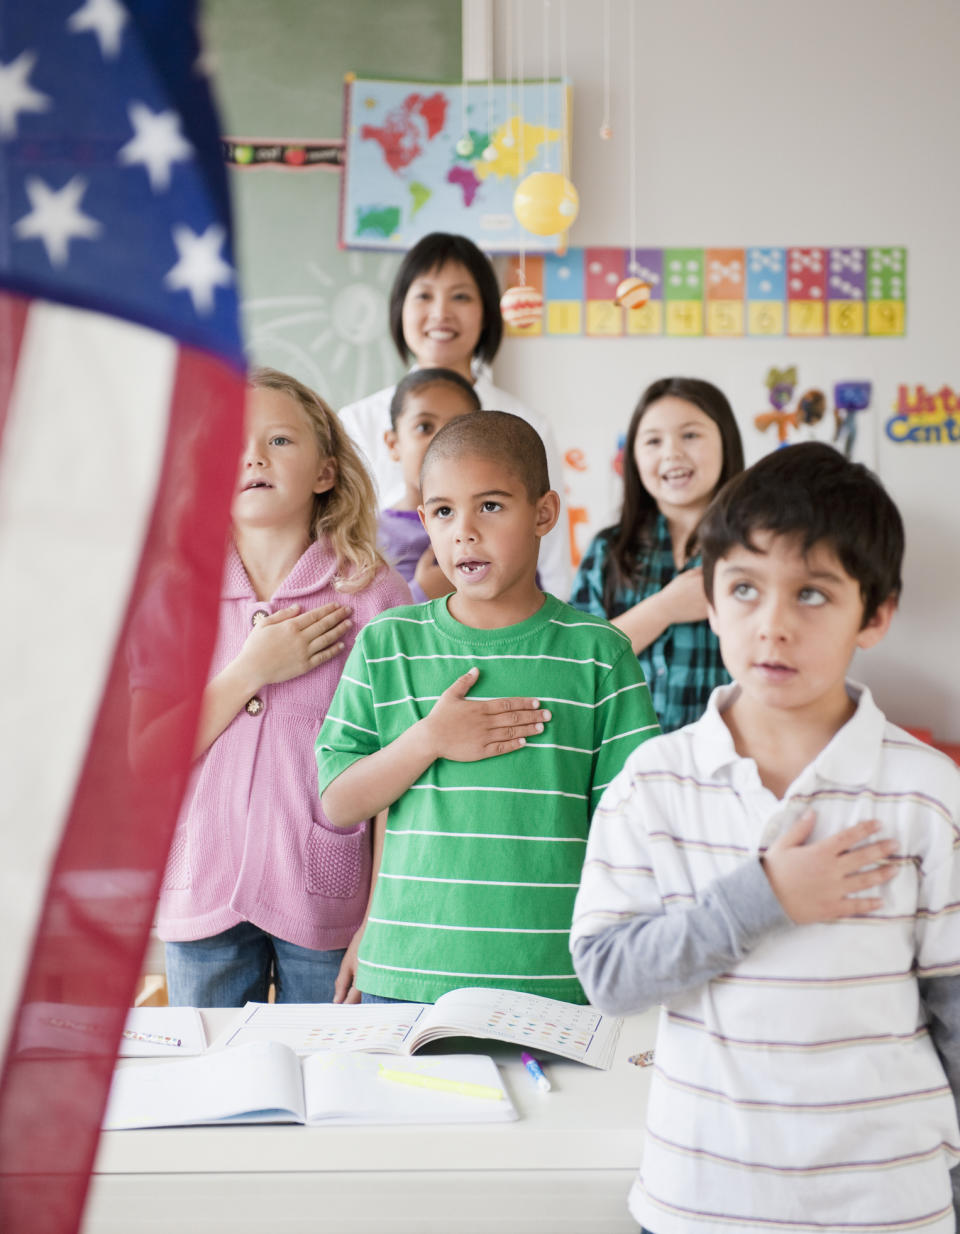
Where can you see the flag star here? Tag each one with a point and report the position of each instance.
(157, 143)
(56, 217)
(106, 18)
(200, 268)
(16, 93)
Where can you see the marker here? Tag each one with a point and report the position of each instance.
(536, 1072)
(152, 1038)
(439, 1084)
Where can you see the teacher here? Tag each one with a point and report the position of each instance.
(445, 312)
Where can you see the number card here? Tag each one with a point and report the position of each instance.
(605, 270)
(886, 291)
(725, 287)
(766, 290)
(806, 291)
(683, 291)
(563, 291)
(846, 290)
(646, 264)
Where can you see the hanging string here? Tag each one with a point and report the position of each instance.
(632, 76)
(605, 130)
(523, 125)
(546, 83)
(565, 118)
(508, 140)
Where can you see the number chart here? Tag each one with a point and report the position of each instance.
(798, 292)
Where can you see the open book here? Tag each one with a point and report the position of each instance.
(527, 1020)
(265, 1082)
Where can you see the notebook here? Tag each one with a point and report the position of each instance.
(266, 1082)
(528, 1020)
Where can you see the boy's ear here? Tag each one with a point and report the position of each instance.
(548, 511)
(423, 517)
(878, 625)
(712, 618)
(390, 440)
(326, 476)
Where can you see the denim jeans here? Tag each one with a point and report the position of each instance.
(380, 998)
(237, 967)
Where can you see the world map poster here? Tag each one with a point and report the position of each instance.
(422, 157)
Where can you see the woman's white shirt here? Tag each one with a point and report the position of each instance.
(369, 418)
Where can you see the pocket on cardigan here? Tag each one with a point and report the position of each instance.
(334, 861)
(176, 875)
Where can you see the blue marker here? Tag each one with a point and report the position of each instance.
(536, 1072)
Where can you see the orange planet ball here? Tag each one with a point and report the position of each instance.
(632, 293)
(522, 307)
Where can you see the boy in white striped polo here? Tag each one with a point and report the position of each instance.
(783, 876)
(489, 796)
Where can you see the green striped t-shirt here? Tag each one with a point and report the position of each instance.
(481, 861)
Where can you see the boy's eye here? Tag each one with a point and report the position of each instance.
(812, 596)
(744, 591)
(279, 440)
(442, 512)
(491, 507)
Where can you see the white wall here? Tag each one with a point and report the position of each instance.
(763, 122)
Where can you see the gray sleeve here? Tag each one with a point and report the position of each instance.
(941, 999)
(637, 963)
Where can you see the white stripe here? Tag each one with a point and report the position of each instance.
(597, 625)
(410, 698)
(88, 390)
(484, 835)
(442, 972)
(411, 621)
(630, 732)
(353, 681)
(483, 788)
(402, 655)
(348, 724)
(468, 882)
(423, 925)
(573, 702)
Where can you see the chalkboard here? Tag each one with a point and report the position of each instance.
(309, 308)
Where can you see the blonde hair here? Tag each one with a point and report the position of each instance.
(346, 515)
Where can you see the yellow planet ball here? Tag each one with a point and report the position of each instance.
(522, 307)
(545, 203)
(632, 293)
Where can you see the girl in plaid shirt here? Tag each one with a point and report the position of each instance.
(644, 573)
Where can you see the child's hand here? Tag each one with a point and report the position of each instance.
(467, 730)
(344, 991)
(289, 643)
(684, 597)
(431, 579)
(815, 882)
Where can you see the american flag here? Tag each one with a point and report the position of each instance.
(121, 387)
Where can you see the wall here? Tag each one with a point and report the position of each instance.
(308, 307)
(768, 123)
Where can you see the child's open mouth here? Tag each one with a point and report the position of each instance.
(472, 568)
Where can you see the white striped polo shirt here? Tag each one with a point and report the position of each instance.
(800, 1090)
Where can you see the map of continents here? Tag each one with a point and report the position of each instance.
(418, 164)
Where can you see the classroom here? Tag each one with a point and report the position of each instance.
(781, 179)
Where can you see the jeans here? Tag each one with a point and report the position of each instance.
(237, 967)
(380, 998)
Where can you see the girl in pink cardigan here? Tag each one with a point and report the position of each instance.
(259, 886)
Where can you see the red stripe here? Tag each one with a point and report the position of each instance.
(103, 886)
(13, 319)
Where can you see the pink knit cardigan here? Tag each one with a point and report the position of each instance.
(252, 843)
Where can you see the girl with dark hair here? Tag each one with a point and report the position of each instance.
(644, 573)
(445, 313)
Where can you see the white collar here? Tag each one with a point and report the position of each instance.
(849, 758)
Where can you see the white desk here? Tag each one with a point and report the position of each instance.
(564, 1168)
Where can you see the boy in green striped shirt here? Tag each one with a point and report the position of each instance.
(489, 722)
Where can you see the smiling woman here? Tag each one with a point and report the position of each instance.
(445, 312)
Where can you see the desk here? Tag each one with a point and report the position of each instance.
(564, 1168)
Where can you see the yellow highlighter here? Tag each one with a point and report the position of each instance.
(439, 1084)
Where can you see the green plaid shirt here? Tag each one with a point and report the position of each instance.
(683, 665)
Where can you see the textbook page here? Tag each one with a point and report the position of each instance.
(259, 1083)
(577, 1032)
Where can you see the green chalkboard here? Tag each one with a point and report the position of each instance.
(309, 308)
